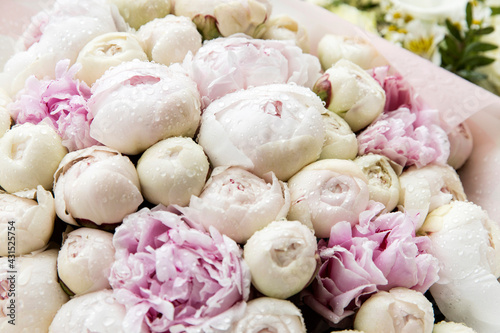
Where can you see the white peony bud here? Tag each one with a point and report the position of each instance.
(427, 188)
(106, 51)
(139, 12)
(96, 186)
(282, 258)
(283, 27)
(216, 18)
(29, 156)
(267, 128)
(30, 222)
(467, 244)
(172, 170)
(32, 296)
(332, 48)
(238, 203)
(94, 312)
(5, 120)
(461, 144)
(451, 327)
(265, 314)
(340, 141)
(326, 192)
(85, 259)
(349, 91)
(400, 310)
(383, 181)
(167, 40)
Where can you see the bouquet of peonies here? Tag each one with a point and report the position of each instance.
(238, 166)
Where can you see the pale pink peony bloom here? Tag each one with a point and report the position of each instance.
(379, 253)
(406, 138)
(60, 103)
(175, 277)
(225, 65)
(398, 92)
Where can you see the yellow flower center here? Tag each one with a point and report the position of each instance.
(421, 46)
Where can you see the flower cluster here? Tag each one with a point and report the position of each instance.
(211, 175)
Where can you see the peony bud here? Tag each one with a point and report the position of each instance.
(467, 244)
(283, 27)
(172, 170)
(29, 156)
(33, 290)
(238, 203)
(332, 48)
(138, 103)
(265, 314)
(137, 13)
(461, 144)
(282, 258)
(352, 93)
(427, 188)
(451, 327)
(85, 259)
(94, 312)
(31, 222)
(5, 120)
(96, 186)
(340, 141)
(216, 18)
(327, 192)
(106, 51)
(274, 128)
(400, 310)
(383, 182)
(167, 40)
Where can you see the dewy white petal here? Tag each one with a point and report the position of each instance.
(172, 170)
(38, 294)
(265, 314)
(282, 258)
(29, 156)
(400, 310)
(427, 188)
(383, 182)
(340, 141)
(33, 221)
(105, 51)
(167, 40)
(465, 241)
(94, 312)
(85, 259)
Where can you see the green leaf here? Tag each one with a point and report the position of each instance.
(484, 31)
(468, 14)
(472, 75)
(453, 30)
(495, 10)
(475, 61)
(452, 46)
(479, 47)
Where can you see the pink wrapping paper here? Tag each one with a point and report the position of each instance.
(455, 98)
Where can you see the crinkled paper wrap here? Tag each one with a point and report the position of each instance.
(456, 99)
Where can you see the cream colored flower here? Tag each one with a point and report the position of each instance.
(282, 258)
(400, 310)
(85, 259)
(340, 141)
(383, 181)
(283, 27)
(30, 220)
(106, 51)
(451, 327)
(461, 145)
(172, 170)
(29, 156)
(423, 38)
(167, 40)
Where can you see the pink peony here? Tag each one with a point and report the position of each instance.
(61, 103)
(379, 253)
(406, 138)
(175, 277)
(225, 65)
(398, 92)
